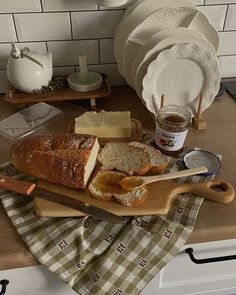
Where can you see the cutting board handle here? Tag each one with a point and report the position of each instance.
(18, 186)
(216, 190)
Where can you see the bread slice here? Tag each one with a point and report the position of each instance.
(159, 161)
(105, 186)
(125, 158)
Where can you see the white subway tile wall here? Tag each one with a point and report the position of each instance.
(66, 53)
(43, 26)
(69, 27)
(95, 24)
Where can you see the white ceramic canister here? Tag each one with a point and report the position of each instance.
(28, 71)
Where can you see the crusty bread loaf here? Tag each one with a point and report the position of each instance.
(125, 158)
(68, 159)
(158, 160)
(113, 190)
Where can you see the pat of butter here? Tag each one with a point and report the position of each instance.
(104, 124)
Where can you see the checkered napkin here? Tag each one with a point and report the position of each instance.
(97, 257)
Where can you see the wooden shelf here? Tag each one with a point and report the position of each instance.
(14, 96)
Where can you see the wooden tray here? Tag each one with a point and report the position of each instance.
(14, 96)
(136, 133)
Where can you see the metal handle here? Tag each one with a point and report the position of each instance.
(189, 251)
(4, 284)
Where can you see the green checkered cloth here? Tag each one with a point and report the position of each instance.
(97, 257)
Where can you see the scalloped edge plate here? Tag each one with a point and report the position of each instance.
(135, 15)
(148, 53)
(182, 61)
(157, 43)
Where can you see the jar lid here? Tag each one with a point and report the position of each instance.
(203, 158)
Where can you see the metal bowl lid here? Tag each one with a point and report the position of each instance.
(203, 158)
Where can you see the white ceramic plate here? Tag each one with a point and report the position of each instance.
(162, 19)
(181, 74)
(156, 44)
(152, 45)
(128, 11)
(201, 24)
(135, 15)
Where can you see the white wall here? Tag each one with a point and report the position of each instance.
(67, 27)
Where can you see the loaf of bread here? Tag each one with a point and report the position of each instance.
(125, 158)
(67, 159)
(105, 186)
(158, 160)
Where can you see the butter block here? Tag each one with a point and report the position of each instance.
(104, 124)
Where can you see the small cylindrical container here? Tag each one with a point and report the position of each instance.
(172, 123)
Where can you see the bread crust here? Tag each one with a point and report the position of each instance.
(104, 157)
(134, 199)
(160, 169)
(159, 162)
(135, 202)
(58, 158)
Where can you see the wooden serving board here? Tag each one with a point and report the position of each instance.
(160, 196)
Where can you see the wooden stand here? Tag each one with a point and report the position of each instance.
(14, 96)
(198, 121)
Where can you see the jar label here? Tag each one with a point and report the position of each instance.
(170, 141)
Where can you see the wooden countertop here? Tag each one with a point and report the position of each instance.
(215, 221)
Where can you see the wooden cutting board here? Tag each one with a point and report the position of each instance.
(160, 196)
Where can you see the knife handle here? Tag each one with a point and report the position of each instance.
(18, 186)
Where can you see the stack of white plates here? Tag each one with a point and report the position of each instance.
(168, 47)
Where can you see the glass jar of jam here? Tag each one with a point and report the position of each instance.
(172, 122)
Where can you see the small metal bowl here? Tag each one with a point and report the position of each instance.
(199, 158)
(84, 82)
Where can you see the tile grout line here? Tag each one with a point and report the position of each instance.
(41, 4)
(226, 15)
(61, 40)
(71, 29)
(60, 11)
(14, 24)
(99, 52)
(46, 43)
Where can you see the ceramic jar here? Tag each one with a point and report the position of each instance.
(28, 71)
